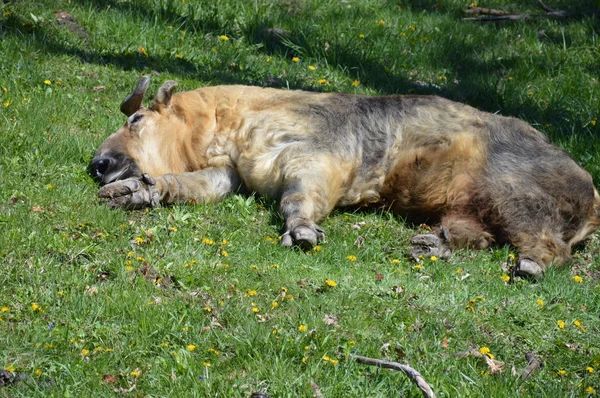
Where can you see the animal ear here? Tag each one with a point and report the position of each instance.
(134, 102)
(163, 97)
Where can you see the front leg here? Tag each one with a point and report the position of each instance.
(204, 186)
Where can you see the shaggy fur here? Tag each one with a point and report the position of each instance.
(483, 178)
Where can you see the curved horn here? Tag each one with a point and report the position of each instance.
(165, 91)
(134, 101)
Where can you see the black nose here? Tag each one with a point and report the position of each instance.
(99, 167)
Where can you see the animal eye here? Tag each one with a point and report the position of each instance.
(136, 117)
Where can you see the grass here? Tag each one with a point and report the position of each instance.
(202, 300)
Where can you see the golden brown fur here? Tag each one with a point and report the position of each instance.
(481, 176)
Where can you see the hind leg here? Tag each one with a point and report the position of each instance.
(457, 230)
(538, 250)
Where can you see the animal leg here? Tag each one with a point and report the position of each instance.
(538, 250)
(307, 198)
(457, 230)
(204, 186)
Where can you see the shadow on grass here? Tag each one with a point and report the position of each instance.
(478, 80)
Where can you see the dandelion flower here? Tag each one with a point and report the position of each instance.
(355, 83)
(4, 309)
(590, 390)
(139, 240)
(6, 104)
(134, 373)
(224, 253)
(84, 352)
(10, 368)
(540, 303)
(47, 82)
(593, 121)
(330, 283)
(224, 38)
(590, 369)
(36, 307)
(351, 258)
(578, 279)
(191, 347)
(334, 361)
(173, 229)
(251, 292)
(303, 328)
(255, 309)
(38, 372)
(433, 258)
(206, 364)
(561, 372)
(361, 35)
(578, 325)
(274, 304)
(178, 56)
(561, 324)
(326, 358)
(317, 248)
(380, 22)
(395, 261)
(295, 59)
(505, 278)
(484, 350)
(311, 67)
(322, 81)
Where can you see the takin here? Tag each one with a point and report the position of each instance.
(480, 177)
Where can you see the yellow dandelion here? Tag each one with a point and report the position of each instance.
(590, 369)
(207, 241)
(223, 37)
(322, 81)
(208, 309)
(138, 240)
(255, 309)
(380, 22)
(178, 56)
(433, 258)
(47, 82)
(418, 266)
(326, 358)
(134, 373)
(4, 309)
(303, 328)
(578, 325)
(185, 328)
(163, 345)
(330, 282)
(4, 89)
(143, 51)
(212, 350)
(505, 278)
(295, 59)
(48, 346)
(6, 104)
(206, 364)
(84, 352)
(140, 258)
(540, 303)
(590, 390)
(304, 359)
(395, 261)
(351, 258)
(578, 279)
(10, 368)
(412, 27)
(311, 67)
(317, 248)
(561, 372)
(251, 292)
(224, 242)
(334, 361)
(25, 99)
(594, 121)
(459, 271)
(356, 83)
(36, 307)
(38, 372)
(561, 324)
(173, 229)
(191, 347)
(484, 350)
(108, 350)
(274, 304)
(306, 347)
(224, 253)
(361, 35)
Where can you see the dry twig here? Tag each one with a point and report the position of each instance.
(532, 365)
(501, 15)
(412, 374)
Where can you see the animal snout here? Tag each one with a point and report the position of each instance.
(98, 167)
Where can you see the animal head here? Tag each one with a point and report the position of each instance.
(144, 144)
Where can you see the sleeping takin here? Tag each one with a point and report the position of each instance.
(481, 178)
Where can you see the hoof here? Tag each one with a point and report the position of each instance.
(527, 268)
(428, 245)
(305, 236)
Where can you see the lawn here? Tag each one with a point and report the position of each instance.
(201, 300)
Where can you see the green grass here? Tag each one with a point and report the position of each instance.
(109, 306)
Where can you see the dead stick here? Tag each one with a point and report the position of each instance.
(532, 365)
(412, 374)
(485, 11)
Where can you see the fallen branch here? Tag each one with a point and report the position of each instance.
(532, 365)
(501, 15)
(412, 374)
